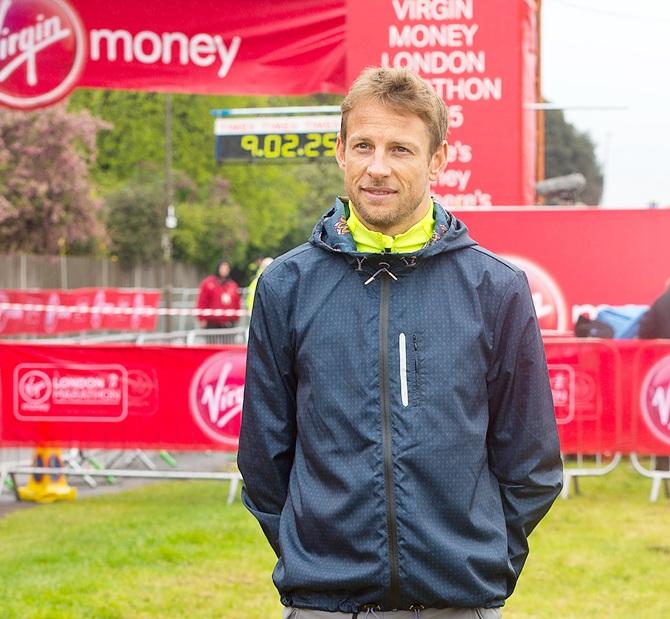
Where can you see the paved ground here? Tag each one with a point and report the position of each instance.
(211, 461)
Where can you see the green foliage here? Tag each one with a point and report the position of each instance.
(211, 231)
(567, 151)
(322, 180)
(265, 210)
(135, 221)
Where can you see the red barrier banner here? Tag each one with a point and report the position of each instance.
(481, 59)
(650, 432)
(585, 378)
(48, 47)
(121, 396)
(579, 260)
(609, 396)
(50, 312)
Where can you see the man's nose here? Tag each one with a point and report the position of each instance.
(378, 164)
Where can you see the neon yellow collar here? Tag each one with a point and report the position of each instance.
(371, 242)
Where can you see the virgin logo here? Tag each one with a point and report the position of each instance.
(216, 394)
(550, 306)
(42, 52)
(655, 399)
(35, 387)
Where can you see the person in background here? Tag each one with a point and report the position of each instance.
(219, 291)
(251, 290)
(398, 440)
(656, 321)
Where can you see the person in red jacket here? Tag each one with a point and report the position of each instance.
(219, 291)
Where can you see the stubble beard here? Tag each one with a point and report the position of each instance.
(385, 217)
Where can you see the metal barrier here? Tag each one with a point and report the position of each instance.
(9, 457)
(214, 337)
(585, 466)
(659, 476)
(191, 337)
(234, 477)
(584, 376)
(111, 465)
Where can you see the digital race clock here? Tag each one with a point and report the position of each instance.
(275, 139)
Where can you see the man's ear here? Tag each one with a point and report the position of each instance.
(438, 161)
(339, 151)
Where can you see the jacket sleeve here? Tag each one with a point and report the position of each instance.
(268, 431)
(523, 445)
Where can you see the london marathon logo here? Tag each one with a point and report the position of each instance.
(42, 52)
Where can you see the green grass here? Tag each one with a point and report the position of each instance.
(176, 550)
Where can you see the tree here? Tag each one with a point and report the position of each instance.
(135, 215)
(566, 151)
(265, 208)
(47, 202)
(322, 180)
(211, 231)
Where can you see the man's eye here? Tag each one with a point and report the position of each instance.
(402, 149)
(361, 146)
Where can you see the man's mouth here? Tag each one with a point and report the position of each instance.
(379, 191)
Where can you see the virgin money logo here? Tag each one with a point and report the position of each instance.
(216, 394)
(550, 306)
(655, 399)
(35, 387)
(42, 52)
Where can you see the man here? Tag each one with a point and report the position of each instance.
(219, 291)
(398, 437)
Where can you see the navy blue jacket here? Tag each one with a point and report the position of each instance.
(398, 438)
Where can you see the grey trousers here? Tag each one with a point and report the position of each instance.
(428, 613)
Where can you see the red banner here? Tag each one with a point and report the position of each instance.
(585, 377)
(50, 312)
(481, 59)
(650, 431)
(121, 396)
(579, 260)
(609, 396)
(47, 47)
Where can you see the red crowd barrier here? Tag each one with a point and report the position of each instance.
(121, 396)
(55, 311)
(585, 377)
(609, 395)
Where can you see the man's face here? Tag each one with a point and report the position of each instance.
(388, 166)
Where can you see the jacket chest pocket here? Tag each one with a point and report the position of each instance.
(409, 370)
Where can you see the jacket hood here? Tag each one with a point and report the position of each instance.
(332, 233)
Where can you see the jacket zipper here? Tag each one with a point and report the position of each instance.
(391, 523)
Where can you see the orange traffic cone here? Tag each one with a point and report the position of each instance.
(47, 488)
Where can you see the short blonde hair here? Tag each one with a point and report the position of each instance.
(403, 91)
